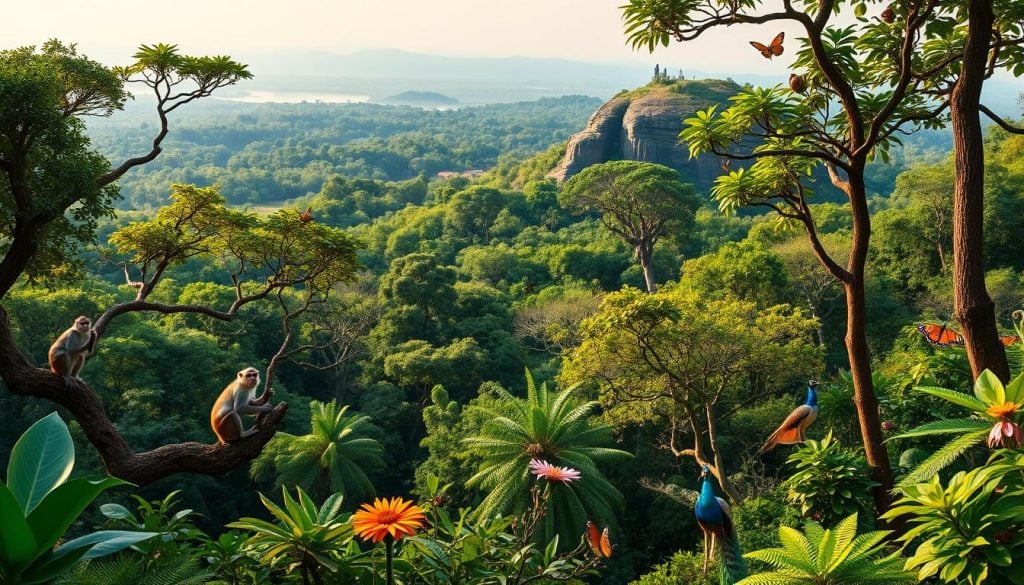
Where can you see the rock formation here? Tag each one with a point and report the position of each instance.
(644, 124)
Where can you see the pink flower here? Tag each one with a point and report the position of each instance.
(1006, 435)
(553, 473)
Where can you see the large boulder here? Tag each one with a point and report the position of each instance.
(644, 124)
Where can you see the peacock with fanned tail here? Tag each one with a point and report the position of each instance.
(714, 517)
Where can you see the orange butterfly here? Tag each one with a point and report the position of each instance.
(600, 545)
(944, 337)
(940, 335)
(772, 50)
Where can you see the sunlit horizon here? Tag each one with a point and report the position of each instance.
(578, 30)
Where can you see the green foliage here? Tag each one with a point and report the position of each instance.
(991, 404)
(305, 538)
(684, 568)
(131, 570)
(47, 160)
(38, 504)
(739, 271)
(271, 152)
(967, 531)
(332, 459)
(758, 520)
(829, 482)
(555, 427)
(676, 362)
(478, 550)
(638, 201)
(833, 556)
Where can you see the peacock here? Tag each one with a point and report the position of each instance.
(792, 429)
(715, 520)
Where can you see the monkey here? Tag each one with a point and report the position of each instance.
(306, 216)
(235, 401)
(67, 354)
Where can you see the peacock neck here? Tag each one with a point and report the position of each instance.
(707, 493)
(812, 396)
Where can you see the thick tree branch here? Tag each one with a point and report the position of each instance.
(24, 379)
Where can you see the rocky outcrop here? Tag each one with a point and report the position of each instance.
(644, 125)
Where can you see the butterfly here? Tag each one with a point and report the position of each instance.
(940, 335)
(772, 50)
(600, 545)
(944, 337)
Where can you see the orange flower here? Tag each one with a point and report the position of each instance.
(1003, 411)
(395, 518)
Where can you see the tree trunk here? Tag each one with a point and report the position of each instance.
(858, 353)
(972, 306)
(864, 396)
(719, 466)
(643, 255)
(821, 326)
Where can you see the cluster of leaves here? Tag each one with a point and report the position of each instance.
(39, 503)
(828, 481)
(966, 529)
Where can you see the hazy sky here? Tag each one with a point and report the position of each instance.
(589, 30)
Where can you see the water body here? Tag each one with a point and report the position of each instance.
(297, 97)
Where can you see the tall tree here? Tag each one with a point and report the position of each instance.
(638, 201)
(854, 89)
(993, 40)
(677, 359)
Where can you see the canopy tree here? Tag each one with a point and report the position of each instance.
(679, 360)
(638, 201)
(854, 90)
(56, 187)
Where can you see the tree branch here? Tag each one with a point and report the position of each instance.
(999, 121)
(24, 379)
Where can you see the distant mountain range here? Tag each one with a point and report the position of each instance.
(477, 80)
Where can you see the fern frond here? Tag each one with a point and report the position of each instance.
(939, 427)
(941, 459)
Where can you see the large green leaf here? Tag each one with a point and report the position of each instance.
(1015, 389)
(17, 545)
(63, 505)
(40, 461)
(989, 389)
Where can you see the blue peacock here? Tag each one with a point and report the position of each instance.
(715, 520)
(791, 431)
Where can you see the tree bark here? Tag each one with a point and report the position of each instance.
(644, 251)
(858, 353)
(972, 306)
(24, 379)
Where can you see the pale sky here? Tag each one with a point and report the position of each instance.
(587, 30)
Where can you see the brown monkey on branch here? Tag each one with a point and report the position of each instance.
(67, 354)
(235, 401)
